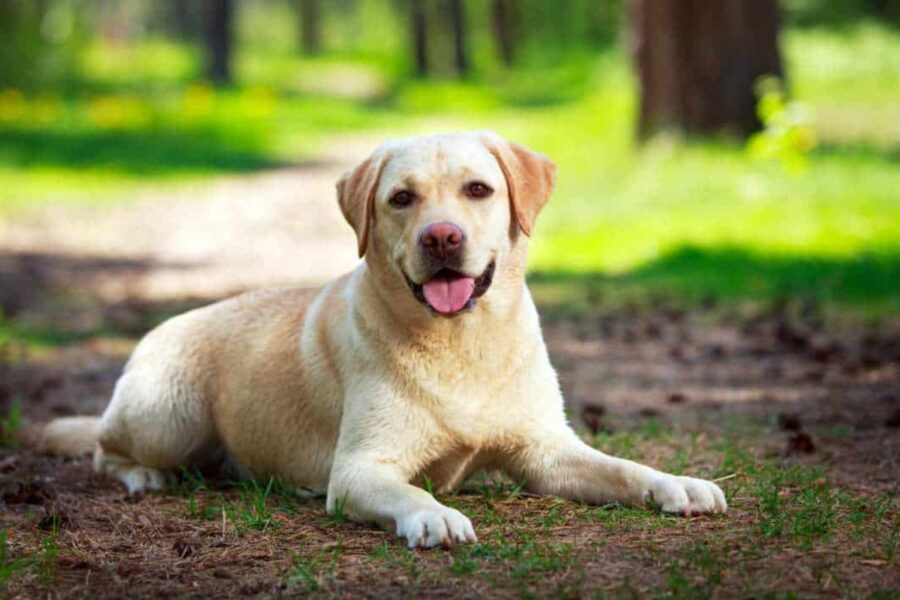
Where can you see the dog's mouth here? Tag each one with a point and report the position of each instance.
(448, 292)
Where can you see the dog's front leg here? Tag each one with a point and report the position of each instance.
(377, 456)
(370, 488)
(558, 463)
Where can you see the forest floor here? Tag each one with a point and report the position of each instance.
(795, 410)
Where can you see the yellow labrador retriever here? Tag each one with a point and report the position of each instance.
(426, 361)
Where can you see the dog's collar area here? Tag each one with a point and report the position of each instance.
(482, 283)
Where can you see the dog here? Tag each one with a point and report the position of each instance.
(426, 363)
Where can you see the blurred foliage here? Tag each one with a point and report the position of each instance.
(42, 41)
(840, 13)
(118, 105)
(788, 133)
(39, 43)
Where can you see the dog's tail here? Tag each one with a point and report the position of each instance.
(69, 436)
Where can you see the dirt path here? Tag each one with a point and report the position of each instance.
(210, 238)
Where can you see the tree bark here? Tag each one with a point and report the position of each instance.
(419, 28)
(458, 24)
(310, 39)
(185, 19)
(504, 22)
(219, 40)
(698, 62)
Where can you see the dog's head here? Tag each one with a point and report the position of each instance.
(445, 214)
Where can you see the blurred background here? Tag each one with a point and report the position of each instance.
(707, 150)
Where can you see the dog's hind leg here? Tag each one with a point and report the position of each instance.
(136, 477)
(156, 422)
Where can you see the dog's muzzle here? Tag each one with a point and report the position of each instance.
(448, 292)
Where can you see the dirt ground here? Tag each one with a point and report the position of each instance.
(795, 413)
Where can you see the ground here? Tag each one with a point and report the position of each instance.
(792, 408)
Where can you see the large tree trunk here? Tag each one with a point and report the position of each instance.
(219, 40)
(458, 24)
(698, 62)
(419, 28)
(504, 16)
(310, 40)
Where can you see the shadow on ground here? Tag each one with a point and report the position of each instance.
(731, 274)
(166, 150)
(52, 299)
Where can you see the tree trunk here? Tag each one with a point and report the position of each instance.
(310, 40)
(458, 24)
(419, 28)
(219, 40)
(504, 21)
(698, 62)
(185, 19)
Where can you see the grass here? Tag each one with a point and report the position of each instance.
(10, 567)
(249, 511)
(42, 563)
(527, 542)
(697, 574)
(798, 504)
(252, 511)
(782, 511)
(310, 571)
(9, 425)
(789, 506)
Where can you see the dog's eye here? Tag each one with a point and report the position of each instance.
(401, 199)
(476, 189)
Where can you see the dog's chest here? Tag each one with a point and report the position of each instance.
(474, 398)
(470, 414)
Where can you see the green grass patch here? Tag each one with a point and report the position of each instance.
(9, 425)
(796, 503)
(522, 557)
(251, 505)
(42, 562)
(697, 573)
(10, 567)
(311, 570)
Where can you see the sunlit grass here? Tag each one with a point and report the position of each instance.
(856, 66)
(109, 145)
(154, 61)
(851, 79)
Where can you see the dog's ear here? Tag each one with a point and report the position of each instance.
(529, 177)
(356, 196)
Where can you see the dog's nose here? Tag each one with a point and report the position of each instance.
(441, 240)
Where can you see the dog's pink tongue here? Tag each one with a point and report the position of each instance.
(449, 295)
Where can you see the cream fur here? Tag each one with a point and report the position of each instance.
(358, 391)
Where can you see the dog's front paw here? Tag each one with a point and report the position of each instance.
(685, 495)
(431, 527)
